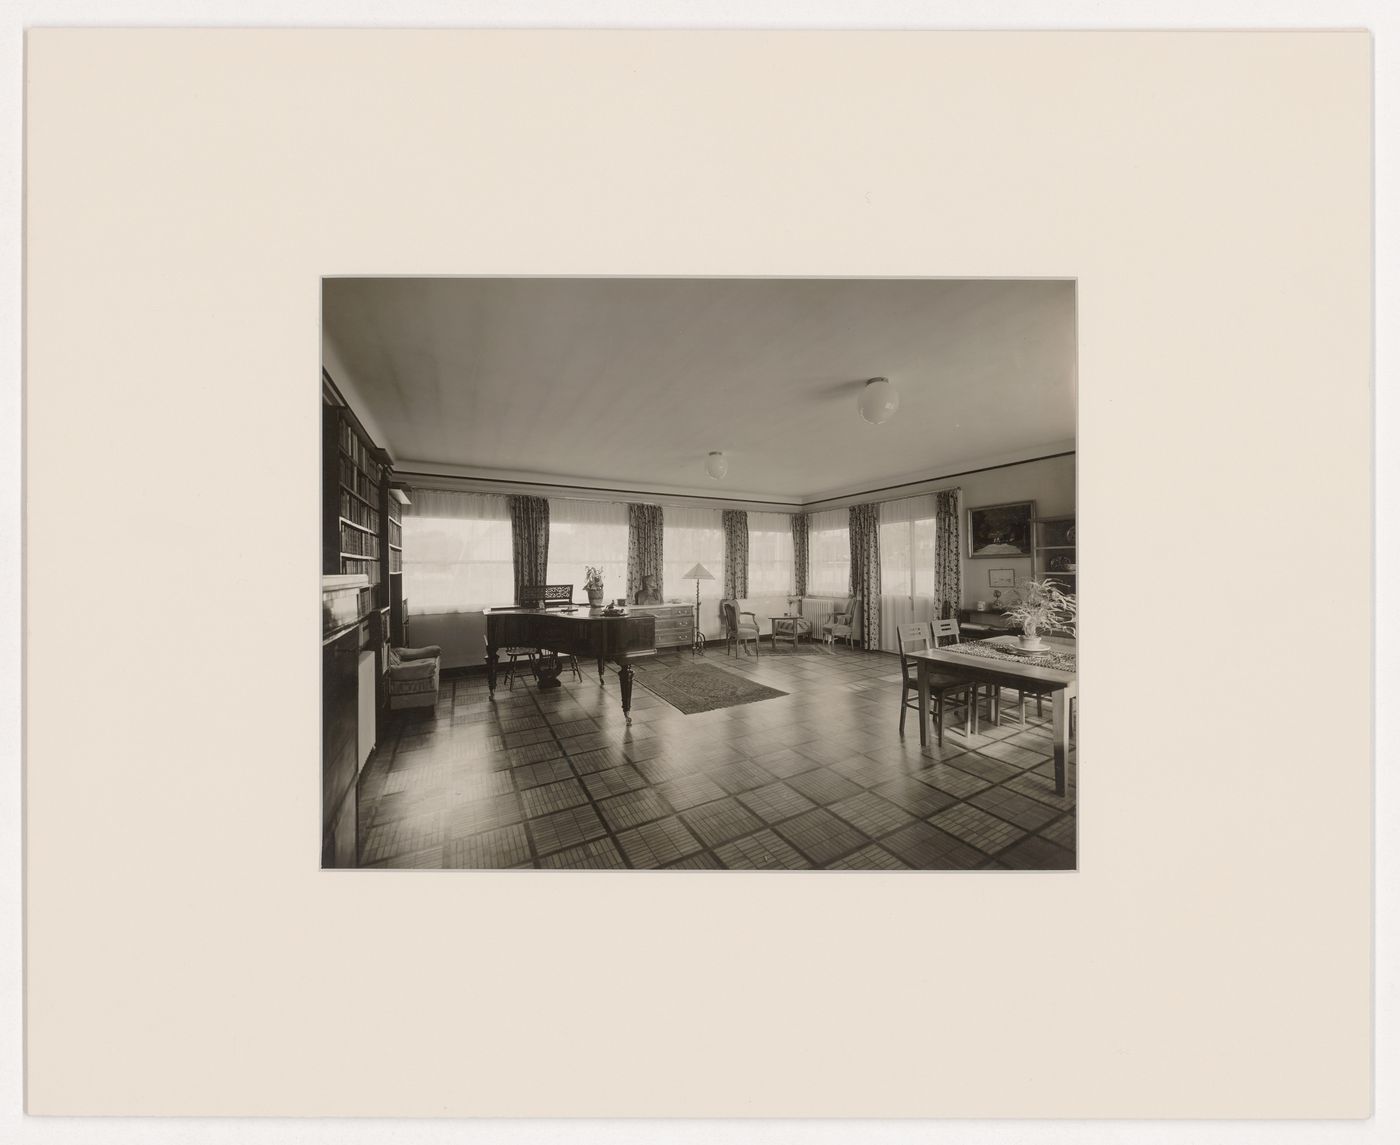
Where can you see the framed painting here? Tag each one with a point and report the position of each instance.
(1000, 530)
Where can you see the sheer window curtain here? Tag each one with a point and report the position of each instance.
(829, 553)
(457, 552)
(908, 550)
(694, 536)
(583, 533)
(772, 567)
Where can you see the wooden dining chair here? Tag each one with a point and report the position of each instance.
(947, 691)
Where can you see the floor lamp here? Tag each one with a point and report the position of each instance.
(697, 574)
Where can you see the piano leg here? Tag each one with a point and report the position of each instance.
(491, 670)
(601, 677)
(624, 674)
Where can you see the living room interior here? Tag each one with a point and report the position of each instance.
(765, 507)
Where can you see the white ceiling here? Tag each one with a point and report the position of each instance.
(631, 382)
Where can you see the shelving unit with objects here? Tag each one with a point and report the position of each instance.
(1054, 552)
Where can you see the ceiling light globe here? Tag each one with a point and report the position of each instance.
(878, 401)
(715, 465)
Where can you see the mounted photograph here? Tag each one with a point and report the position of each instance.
(689, 574)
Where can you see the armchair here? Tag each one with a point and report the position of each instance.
(413, 677)
(737, 630)
(842, 625)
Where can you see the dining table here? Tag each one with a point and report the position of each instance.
(999, 662)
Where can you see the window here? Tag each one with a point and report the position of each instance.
(691, 536)
(829, 553)
(457, 552)
(583, 533)
(770, 554)
(907, 533)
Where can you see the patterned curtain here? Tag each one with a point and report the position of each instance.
(529, 533)
(644, 547)
(736, 554)
(947, 556)
(799, 551)
(865, 569)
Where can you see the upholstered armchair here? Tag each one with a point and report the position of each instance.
(842, 625)
(737, 629)
(413, 677)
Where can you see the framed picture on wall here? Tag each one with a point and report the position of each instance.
(1000, 530)
(1001, 578)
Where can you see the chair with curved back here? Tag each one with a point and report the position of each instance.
(842, 624)
(947, 690)
(737, 630)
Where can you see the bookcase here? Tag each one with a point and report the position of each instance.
(394, 501)
(353, 516)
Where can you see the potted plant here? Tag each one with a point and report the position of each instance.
(593, 583)
(1044, 607)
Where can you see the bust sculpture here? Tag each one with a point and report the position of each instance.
(649, 593)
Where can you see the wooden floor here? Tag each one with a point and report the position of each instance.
(819, 778)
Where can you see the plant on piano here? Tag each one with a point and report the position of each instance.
(593, 585)
(1044, 607)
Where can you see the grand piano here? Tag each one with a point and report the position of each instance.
(584, 632)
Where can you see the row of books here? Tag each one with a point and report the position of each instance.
(395, 533)
(395, 561)
(358, 482)
(354, 447)
(365, 566)
(353, 509)
(362, 544)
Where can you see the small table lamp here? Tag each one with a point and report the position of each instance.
(697, 574)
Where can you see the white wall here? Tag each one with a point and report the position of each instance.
(1049, 483)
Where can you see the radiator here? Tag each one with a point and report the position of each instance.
(367, 699)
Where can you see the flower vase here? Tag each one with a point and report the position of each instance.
(1030, 641)
(595, 597)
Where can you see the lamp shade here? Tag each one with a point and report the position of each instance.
(715, 465)
(699, 572)
(878, 401)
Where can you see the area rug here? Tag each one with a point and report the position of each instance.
(691, 687)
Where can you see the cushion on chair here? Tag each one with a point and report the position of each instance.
(413, 669)
(415, 653)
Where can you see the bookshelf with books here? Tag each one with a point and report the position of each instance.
(355, 477)
(394, 501)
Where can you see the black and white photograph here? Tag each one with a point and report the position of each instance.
(628, 573)
(716, 431)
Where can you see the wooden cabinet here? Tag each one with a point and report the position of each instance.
(978, 625)
(675, 623)
(1053, 553)
(340, 768)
